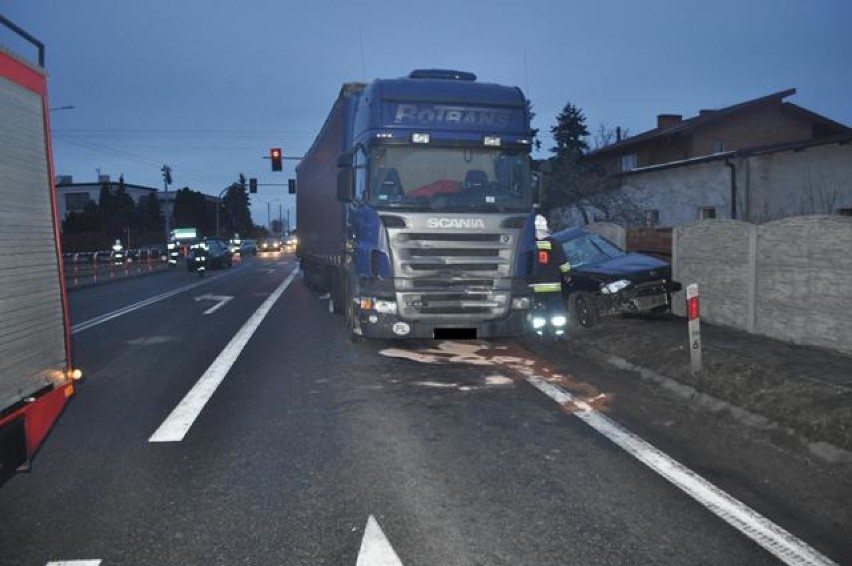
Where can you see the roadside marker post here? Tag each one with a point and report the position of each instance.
(694, 325)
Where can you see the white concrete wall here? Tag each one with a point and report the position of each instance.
(679, 192)
(788, 279)
(817, 180)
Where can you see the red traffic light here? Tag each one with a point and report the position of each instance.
(275, 155)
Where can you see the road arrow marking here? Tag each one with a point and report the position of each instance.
(221, 299)
(180, 420)
(376, 549)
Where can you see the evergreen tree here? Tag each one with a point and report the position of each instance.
(236, 214)
(569, 133)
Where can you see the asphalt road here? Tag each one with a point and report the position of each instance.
(456, 456)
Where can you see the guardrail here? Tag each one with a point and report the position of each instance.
(91, 267)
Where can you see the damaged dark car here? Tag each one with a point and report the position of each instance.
(606, 281)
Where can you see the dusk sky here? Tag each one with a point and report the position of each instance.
(209, 87)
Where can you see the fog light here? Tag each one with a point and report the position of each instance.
(373, 319)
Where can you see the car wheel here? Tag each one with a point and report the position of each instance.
(581, 307)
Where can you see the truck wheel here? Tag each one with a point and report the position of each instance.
(336, 293)
(582, 310)
(351, 315)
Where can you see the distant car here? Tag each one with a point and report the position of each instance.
(291, 241)
(605, 280)
(248, 247)
(270, 245)
(213, 253)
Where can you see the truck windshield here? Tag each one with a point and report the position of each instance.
(433, 178)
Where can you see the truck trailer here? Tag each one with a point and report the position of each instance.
(36, 375)
(415, 207)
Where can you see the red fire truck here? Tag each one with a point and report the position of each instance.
(36, 373)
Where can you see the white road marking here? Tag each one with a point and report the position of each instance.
(376, 549)
(773, 538)
(178, 423)
(781, 543)
(75, 563)
(222, 301)
(141, 304)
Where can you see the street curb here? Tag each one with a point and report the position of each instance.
(825, 450)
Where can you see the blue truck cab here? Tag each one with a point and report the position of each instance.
(415, 207)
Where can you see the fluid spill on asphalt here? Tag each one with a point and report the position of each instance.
(517, 367)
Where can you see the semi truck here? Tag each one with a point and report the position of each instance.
(36, 374)
(415, 207)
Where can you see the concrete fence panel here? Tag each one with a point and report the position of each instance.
(803, 290)
(612, 232)
(716, 255)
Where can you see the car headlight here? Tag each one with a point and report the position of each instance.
(614, 287)
(538, 322)
(559, 320)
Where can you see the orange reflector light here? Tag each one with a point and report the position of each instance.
(366, 304)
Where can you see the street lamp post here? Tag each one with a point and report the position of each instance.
(268, 213)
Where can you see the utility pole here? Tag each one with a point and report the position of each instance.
(167, 180)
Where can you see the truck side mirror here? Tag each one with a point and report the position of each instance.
(345, 184)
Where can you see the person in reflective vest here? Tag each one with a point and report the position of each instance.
(550, 267)
(117, 252)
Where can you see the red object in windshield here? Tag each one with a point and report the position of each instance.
(436, 188)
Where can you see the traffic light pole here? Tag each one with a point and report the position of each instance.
(167, 178)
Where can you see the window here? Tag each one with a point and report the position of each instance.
(707, 212)
(76, 202)
(360, 165)
(720, 146)
(652, 217)
(628, 162)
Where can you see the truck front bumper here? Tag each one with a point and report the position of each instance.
(391, 327)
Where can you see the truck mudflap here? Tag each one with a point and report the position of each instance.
(24, 429)
(390, 327)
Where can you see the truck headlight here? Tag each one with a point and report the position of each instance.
(614, 287)
(385, 307)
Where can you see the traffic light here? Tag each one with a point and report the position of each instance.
(242, 181)
(275, 155)
(167, 174)
(291, 186)
(252, 185)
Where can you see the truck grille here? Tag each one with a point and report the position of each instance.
(455, 274)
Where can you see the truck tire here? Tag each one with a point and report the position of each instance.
(336, 291)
